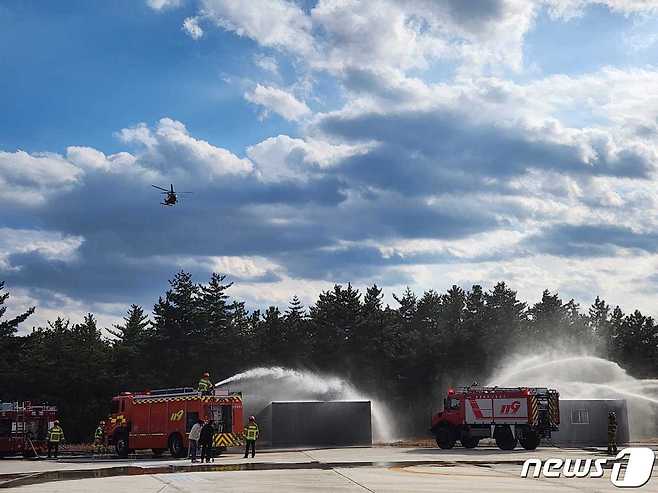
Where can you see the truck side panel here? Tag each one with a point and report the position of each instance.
(478, 411)
(177, 417)
(158, 418)
(512, 410)
(139, 421)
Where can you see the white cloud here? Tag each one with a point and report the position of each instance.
(49, 244)
(272, 23)
(163, 4)
(93, 159)
(50, 305)
(31, 178)
(285, 158)
(170, 148)
(568, 9)
(279, 101)
(192, 28)
(338, 34)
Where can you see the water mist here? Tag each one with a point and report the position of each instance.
(587, 377)
(260, 386)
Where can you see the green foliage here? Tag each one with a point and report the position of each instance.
(407, 354)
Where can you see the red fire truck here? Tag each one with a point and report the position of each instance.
(509, 415)
(162, 419)
(24, 427)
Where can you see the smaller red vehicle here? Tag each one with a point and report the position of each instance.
(162, 419)
(514, 415)
(24, 428)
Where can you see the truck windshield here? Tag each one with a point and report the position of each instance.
(451, 404)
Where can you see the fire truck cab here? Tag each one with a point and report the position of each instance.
(162, 419)
(522, 415)
(24, 427)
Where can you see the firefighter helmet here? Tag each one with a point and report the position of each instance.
(206, 374)
(252, 418)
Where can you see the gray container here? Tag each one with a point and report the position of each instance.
(585, 422)
(315, 423)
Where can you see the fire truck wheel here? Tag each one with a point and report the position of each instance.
(505, 439)
(470, 442)
(529, 441)
(176, 448)
(445, 438)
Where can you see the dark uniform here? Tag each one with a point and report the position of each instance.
(55, 436)
(612, 433)
(205, 441)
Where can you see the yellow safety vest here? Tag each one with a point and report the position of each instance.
(251, 431)
(204, 385)
(55, 434)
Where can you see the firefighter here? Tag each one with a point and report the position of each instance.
(205, 385)
(99, 438)
(205, 441)
(195, 434)
(55, 436)
(251, 435)
(612, 433)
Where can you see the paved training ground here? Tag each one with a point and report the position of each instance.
(350, 469)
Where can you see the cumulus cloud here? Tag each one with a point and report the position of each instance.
(406, 177)
(31, 178)
(278, 24)
(335, 35)
(279, 101)
(286, 158)
(90, 158)
(51, 245)
(171, 149)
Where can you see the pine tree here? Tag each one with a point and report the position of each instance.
(10, 346)
(298, 352)
(133, 339)
(274, 341)
(176, 323)
(9, 327)
(599, 325)
(505, 319)
(333, 319)
(134, 329)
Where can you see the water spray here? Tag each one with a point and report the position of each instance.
(587, 377)
(260, 386)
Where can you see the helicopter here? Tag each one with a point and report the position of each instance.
(171, 197)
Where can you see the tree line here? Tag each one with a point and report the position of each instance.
(406, 354)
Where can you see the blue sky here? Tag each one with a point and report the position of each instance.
(421, 143)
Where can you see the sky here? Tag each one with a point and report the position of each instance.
(419, 143)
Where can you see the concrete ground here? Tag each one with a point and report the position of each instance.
(378, 469)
